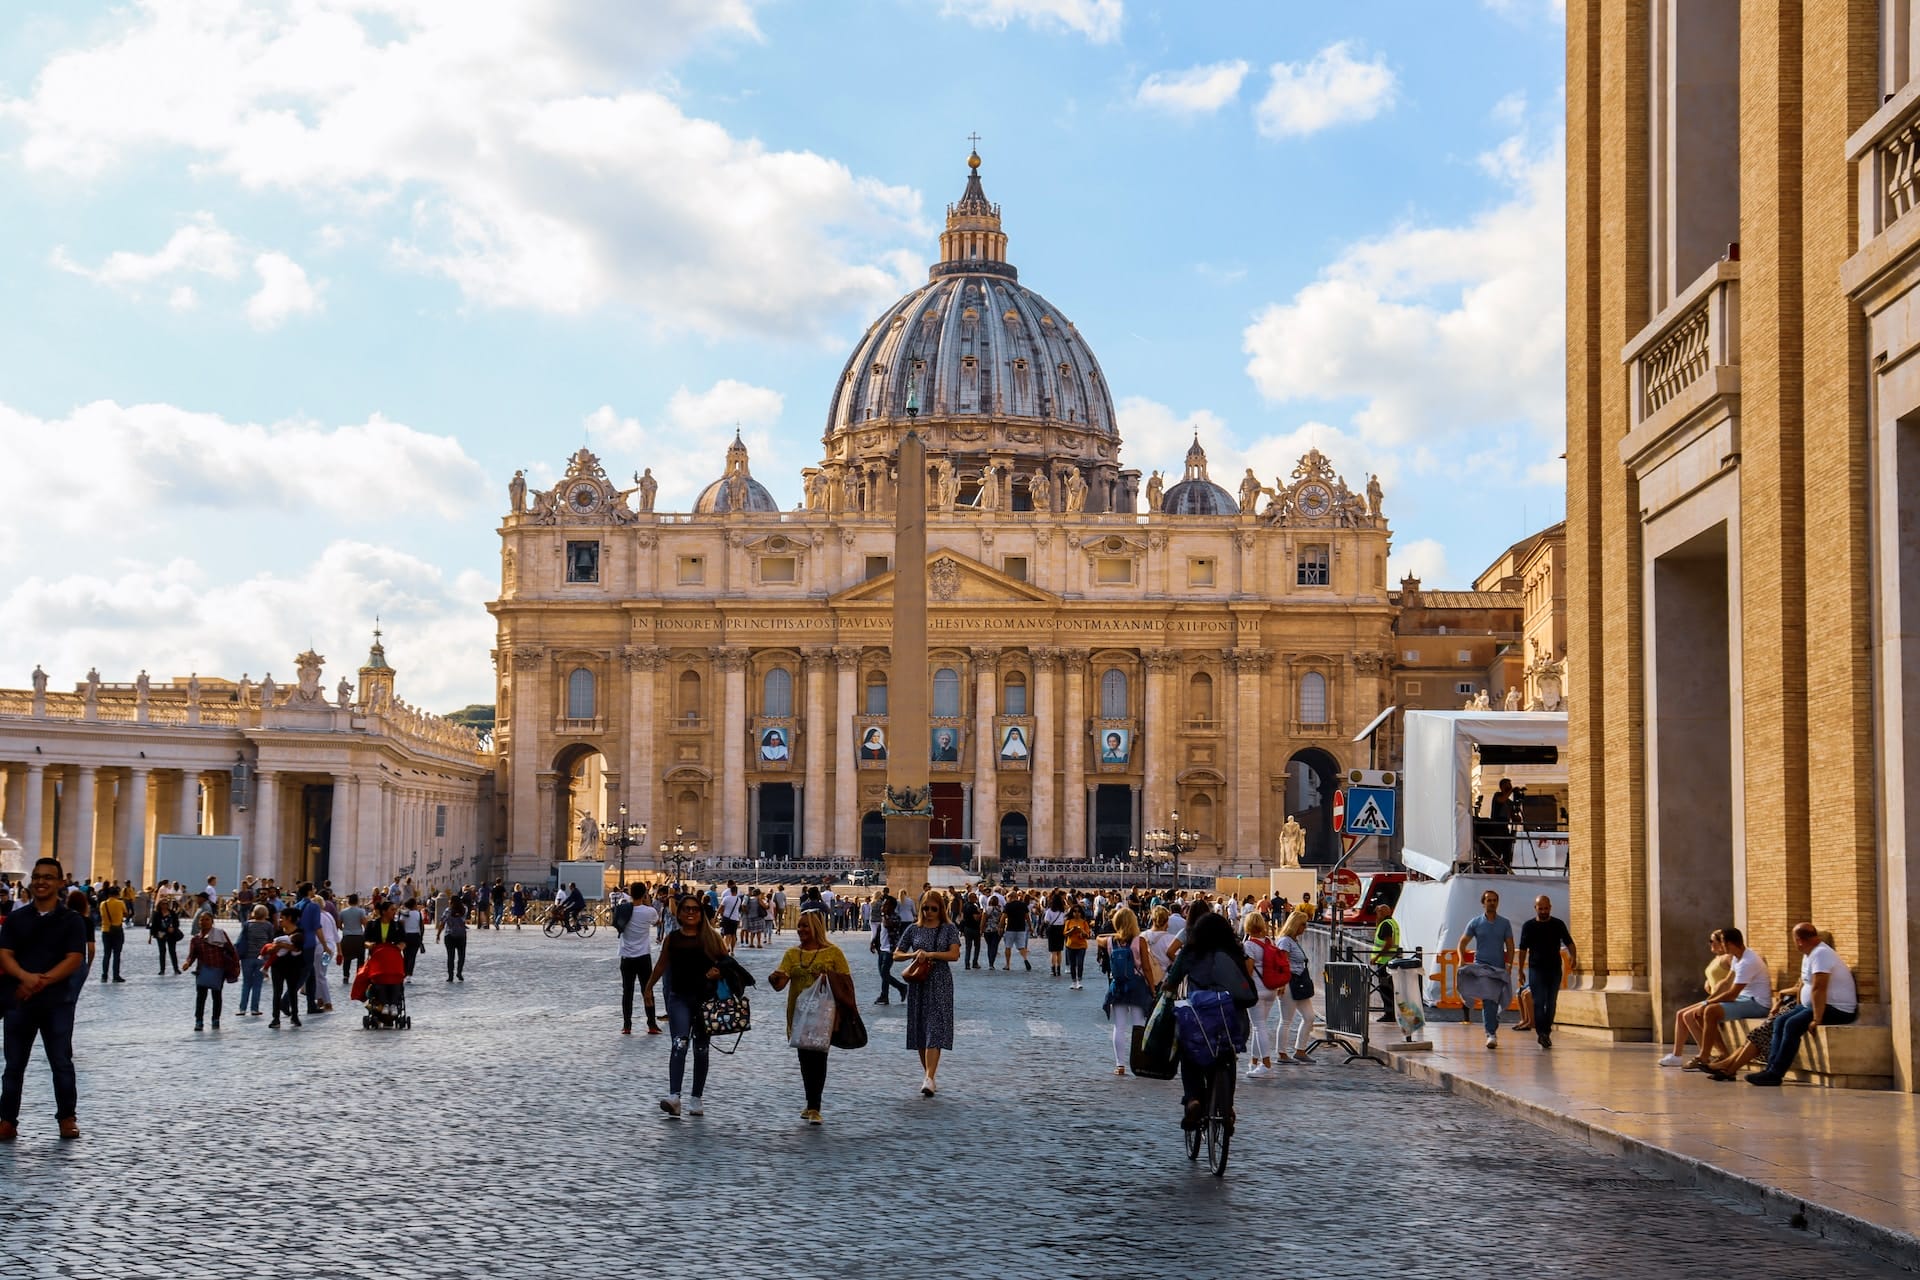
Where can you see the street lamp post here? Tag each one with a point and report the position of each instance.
(1169, 842)
(625, 836)
(679, 851)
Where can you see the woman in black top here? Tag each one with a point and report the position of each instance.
(1211, 960)
(163, 926)
(690, 966)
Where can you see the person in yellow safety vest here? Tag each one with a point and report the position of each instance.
(1386, 947)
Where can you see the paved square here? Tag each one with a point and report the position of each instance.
(513, 1131)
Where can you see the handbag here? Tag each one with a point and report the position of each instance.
(813, 1016)
(849, 1030)
(919, 969)
(1300, 985)
(726, 1014)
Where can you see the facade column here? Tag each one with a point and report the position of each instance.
(343, 864)
(817, 735)
(186, 821)
(846, 766)
(983, 815)
(265, 859)
(752, 845)
(77, 858)
(1248, 785)
(802, 819)
(529, 831)
(1074, 819)
(643, 664)
(546, 816)
(1158, 741)
(1133, 814)
(1046, 730)
(32, 809)
(732, 663)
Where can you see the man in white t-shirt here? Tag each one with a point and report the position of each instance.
(1828, 997)
(1747, 993)
(730, 903)
(634, 921)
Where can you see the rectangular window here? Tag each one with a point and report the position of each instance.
(440, 820)
(1200, 571)
(1312, 571)
(778, 568)
(1410, 655)
(1015, 696)
(877, 565)
(1015, 567)
(1464, 655)
(693, 570)
(1113, 570)
(583, 562)
(1464, 687)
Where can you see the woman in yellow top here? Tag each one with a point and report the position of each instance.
(799, 969)
(1079, 932)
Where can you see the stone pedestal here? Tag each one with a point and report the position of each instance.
(907, 871)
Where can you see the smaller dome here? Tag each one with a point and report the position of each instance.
(1199, 498)
(736, 489)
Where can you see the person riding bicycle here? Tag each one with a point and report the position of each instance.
(572, 905)
(1211, 959)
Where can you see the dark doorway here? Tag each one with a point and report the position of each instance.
(316, 835)
(873, 836)
(1312, 776)
(1013, 838)
(1112, 821)
(949, 823)
(775, 837)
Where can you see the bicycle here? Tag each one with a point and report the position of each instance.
(1215, 1131)
(557, 925)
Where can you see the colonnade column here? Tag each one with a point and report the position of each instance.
(130, 823)
(1248, 784)
(985, 812)
(32, 810)
(1046, 726)
(818, 735)
(846, 817)
(1159, 742)
(342, 856)
(186, 820)
(266, 821)
(733, 753)
(77, 855)
(1074, 841)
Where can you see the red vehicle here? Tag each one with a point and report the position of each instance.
(1376, 887)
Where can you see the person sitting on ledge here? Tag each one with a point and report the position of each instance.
(1686, 1022)
(1743, 993)
(1827, 996)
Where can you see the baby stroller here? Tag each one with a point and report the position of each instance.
(382, 983)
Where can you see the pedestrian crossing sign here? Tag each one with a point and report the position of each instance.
(1370, 811)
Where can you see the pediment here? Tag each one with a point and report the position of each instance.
(953, 579)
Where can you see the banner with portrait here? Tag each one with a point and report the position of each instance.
(1116, 746)
(1014, 747)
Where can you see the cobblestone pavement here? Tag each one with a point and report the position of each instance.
(513, 1131)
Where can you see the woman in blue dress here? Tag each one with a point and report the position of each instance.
(930, 1002)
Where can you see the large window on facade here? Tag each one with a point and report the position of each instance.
(946, 692)
(877, 694)
(1113, 695)
(686, 698)
(1013, 697)
(580, 694)
(1200, 696)
(1313, 698)
(776, 700)
(1312, 569)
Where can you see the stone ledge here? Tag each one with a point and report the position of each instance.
(1619, 1016)
(1854, 1056)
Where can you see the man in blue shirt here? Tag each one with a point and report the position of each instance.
(42, 944)
(310, 913)
(1490, 938)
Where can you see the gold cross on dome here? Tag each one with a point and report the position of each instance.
(974, 138)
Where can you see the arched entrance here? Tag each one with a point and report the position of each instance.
(1013, 837)
(580, 804)
(1312, 776)
(873, 835)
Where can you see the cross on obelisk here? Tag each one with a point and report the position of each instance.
(908, 721)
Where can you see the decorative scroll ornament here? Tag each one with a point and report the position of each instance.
(908, 802)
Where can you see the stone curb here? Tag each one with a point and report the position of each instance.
(1769, 1201)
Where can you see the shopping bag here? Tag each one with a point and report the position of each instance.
(1157, 1038)
(1148, 1065)
(813, 1017)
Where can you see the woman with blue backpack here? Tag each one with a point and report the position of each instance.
(1130, 973)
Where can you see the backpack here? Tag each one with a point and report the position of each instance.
(1210, 1026)
(622, 917)
(1125, 985)
(1276, 967)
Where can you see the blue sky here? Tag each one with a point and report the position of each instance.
(291, 289)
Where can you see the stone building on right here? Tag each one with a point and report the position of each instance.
(1743, 498)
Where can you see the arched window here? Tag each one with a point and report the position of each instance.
(946, 692)
(687, 696)
(1113, 695)
(1014, 695)
(1313, 698)
(1200, 696)
(580, 694)
(776, 700)
(877, 693)
(686, 813)
(1200, 815)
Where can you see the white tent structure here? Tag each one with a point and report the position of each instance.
(1437, 779)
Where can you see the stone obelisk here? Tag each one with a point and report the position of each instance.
(909, 810)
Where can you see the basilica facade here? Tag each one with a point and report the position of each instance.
(1110, 661)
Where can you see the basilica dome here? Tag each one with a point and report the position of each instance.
(972, 343)
(736, 489)
(1195, 494)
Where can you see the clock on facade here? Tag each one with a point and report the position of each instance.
(583, 497)
(1314, 500)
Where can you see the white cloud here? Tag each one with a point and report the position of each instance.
(114, 473)
(1097, 20)
(172, 617)
(1424, 559)
(1442, 333)
(284, 291)
(529, 151)
(1333, 88)
(687, 445)
(1195, 91)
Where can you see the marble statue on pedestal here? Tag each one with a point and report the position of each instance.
(517, 493)
(1512, 701)
(345, 693)
(649, 487)
(1293, 842)
(1374, 496)
(1250, 490)
(39, 681)
(1156, 489)
(1076, 491)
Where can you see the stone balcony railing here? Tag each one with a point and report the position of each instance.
(1885, 152)
(1677, 355)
